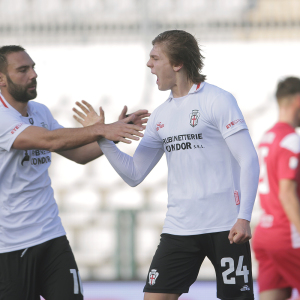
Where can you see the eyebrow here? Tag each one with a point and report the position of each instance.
(153, 56)
(25, 66)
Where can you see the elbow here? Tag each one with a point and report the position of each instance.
(133, 183)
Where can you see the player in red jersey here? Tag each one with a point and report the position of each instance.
(276, 239)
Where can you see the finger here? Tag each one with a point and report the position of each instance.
(133, 132)
(144, 121)
(82, 107)
(141, 112)
(83, 116)
(239, 238)
(130, 136)
(102, 115)
(78, 120)
(230, 236)
(123, 113)
(123, 140)
(129, 118)
(88, 105)
(134, 127)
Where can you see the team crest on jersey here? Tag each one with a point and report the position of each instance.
(153, 274)
(194, 116)
(31, 121)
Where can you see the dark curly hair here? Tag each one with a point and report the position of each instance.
(4, 51)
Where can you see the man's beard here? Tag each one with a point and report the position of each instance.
(21, 93)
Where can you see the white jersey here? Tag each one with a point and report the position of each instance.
(203, 176)
(28, 211)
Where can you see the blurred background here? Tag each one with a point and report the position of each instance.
(97, 50)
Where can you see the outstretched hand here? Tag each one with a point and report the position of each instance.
(240, 232)
(90, 117)
(141, 116)
(118, 131)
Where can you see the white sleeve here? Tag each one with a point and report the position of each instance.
(133, 170)
(242, 149)
(226, 114)
(151, 138)
(10, 127)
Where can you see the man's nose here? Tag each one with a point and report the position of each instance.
(33, 74)
(149, 65)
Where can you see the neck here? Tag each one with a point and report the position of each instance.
(21, 107)
(288, 116)
(181, 88)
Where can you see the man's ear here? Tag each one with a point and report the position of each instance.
(177, 68)
(297, 99)
(2, 80)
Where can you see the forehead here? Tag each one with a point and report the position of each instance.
(18, 59)
(157, 50)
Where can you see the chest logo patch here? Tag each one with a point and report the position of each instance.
(194, 116)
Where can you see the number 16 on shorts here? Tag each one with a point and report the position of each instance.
(240, 270)
(77, 282)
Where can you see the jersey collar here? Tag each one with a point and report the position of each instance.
(30, 107)
(194, 89)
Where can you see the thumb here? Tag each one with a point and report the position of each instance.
(123, 113)
(129, 119)
(102, 115)
(231, 236)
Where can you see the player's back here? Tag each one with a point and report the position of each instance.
(278, 156)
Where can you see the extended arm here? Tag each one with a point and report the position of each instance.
(34, 137)
(241, 147)
(88, 117)
(134, 169)
(290, 201)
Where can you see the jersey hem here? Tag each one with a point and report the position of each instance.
(165, 291)
(28, 245)
(196, 232)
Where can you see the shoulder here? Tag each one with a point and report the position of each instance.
(216, 91)
(214, 95)
(291, 142)
(39, 106)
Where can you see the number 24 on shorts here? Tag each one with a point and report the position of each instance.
(240, 270)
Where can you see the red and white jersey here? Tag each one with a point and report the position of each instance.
(28, 211)
(279, 153)
(203, 176)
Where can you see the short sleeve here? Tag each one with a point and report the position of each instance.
(151, 138)
(226, 114)
(10, 127)
(53, 124)
(288, 158)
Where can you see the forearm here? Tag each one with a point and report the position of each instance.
(134, 169)
(84, 154)
(241, 147)
(291, 205)
(249, 182)
(62, 139)
(34, 137)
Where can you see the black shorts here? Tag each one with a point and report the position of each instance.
(48, 269)
(176, 263)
